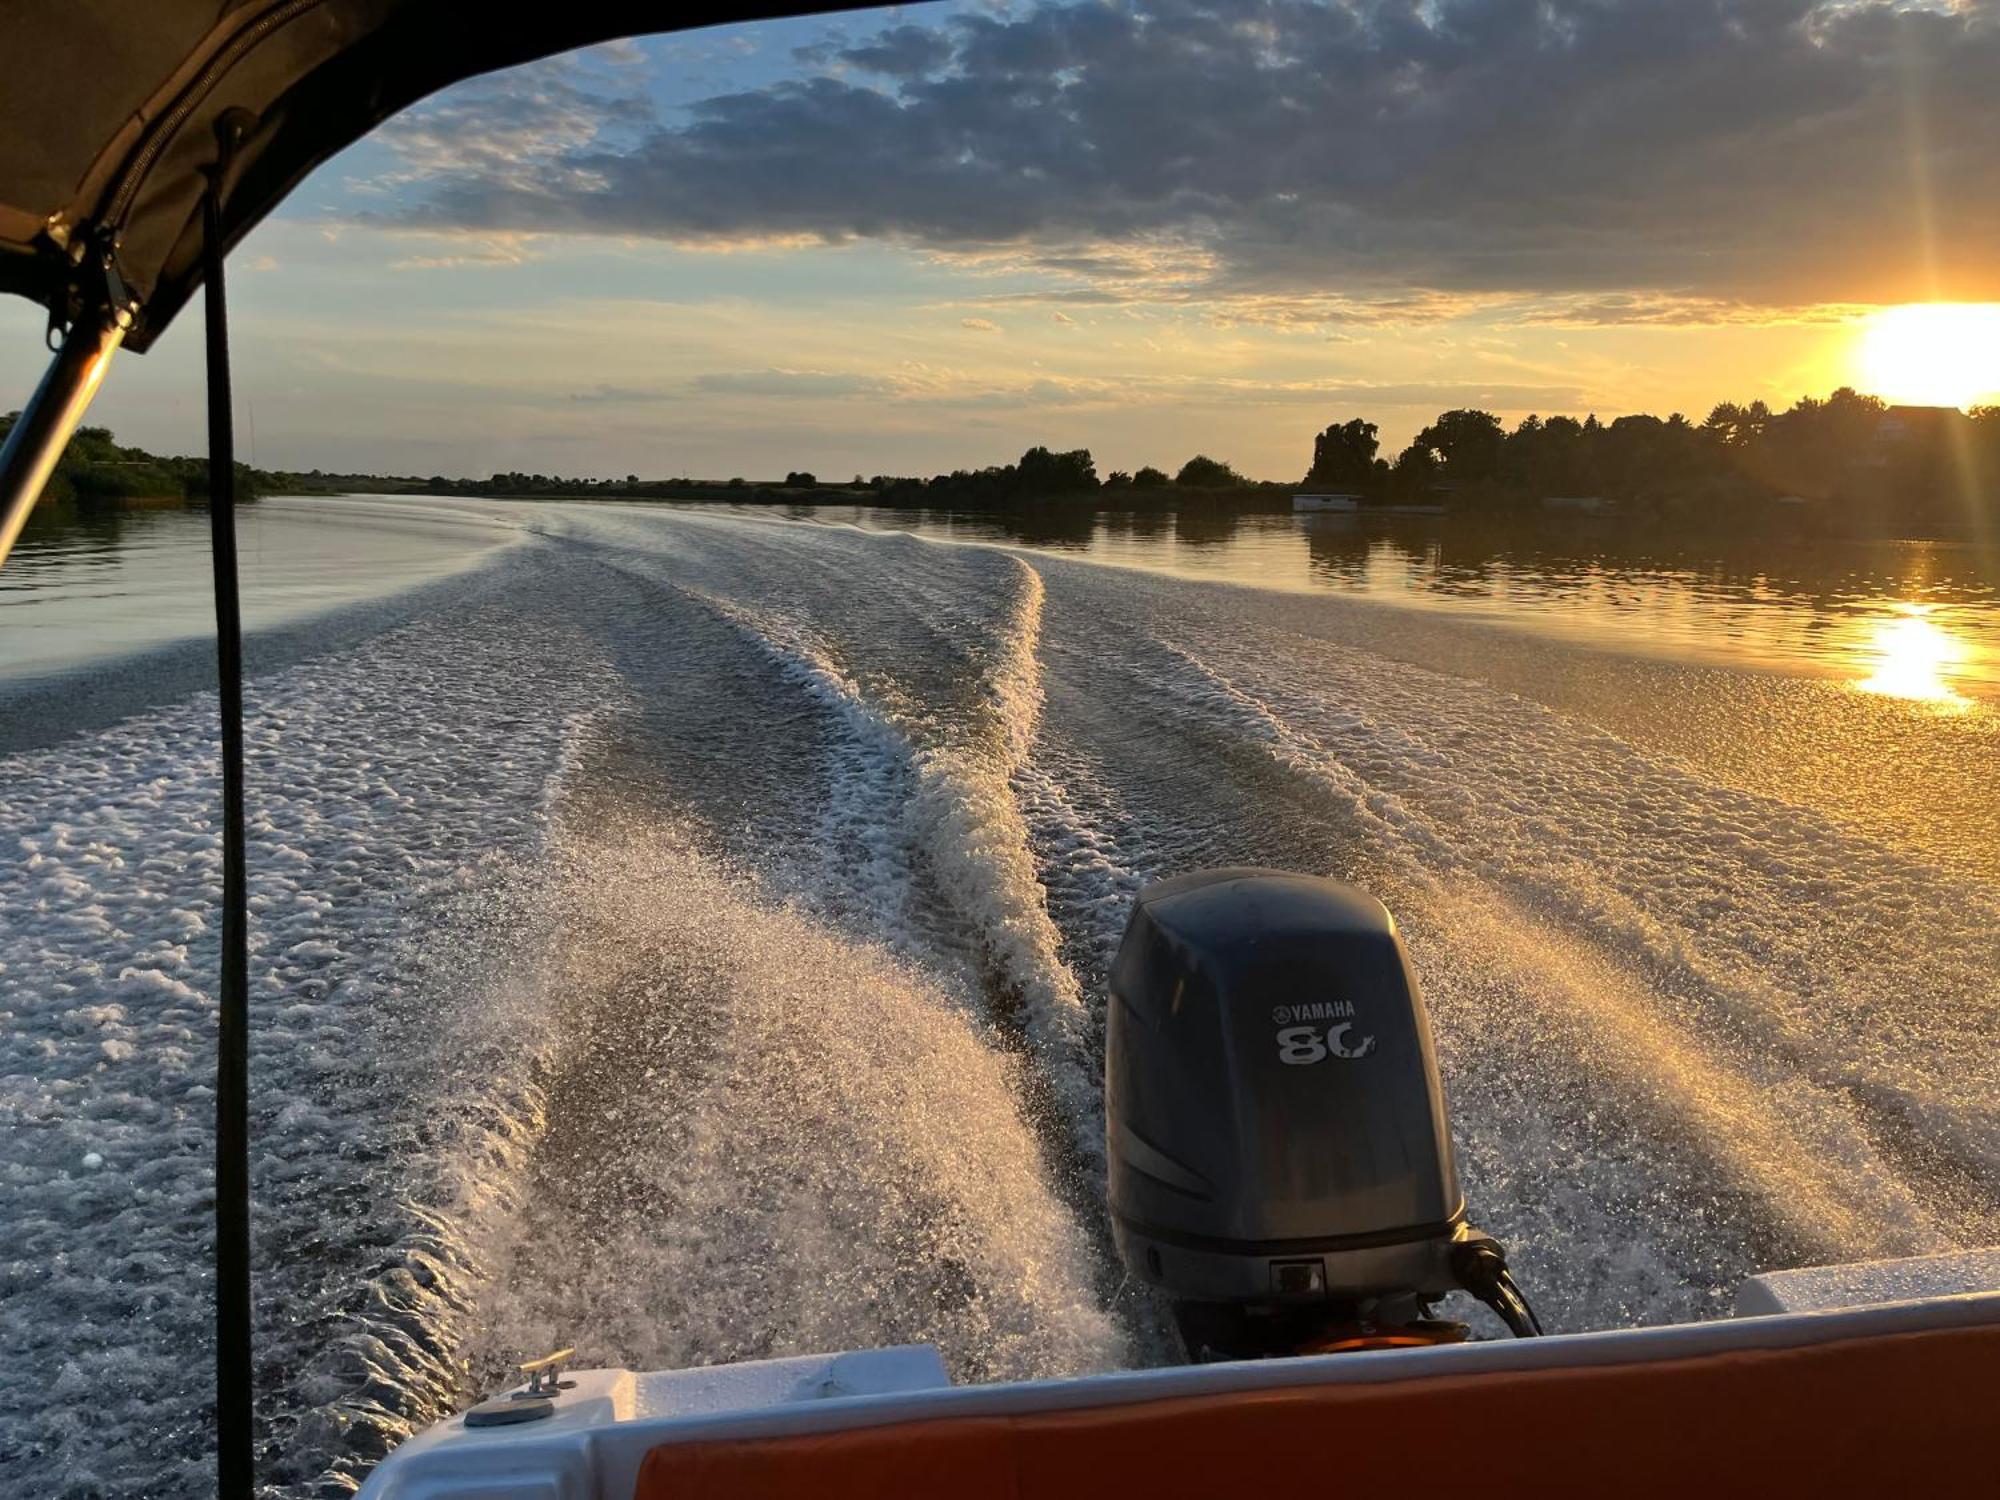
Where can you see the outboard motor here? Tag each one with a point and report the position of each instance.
(1280, 1162)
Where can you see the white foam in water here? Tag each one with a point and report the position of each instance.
(942, 795)
(811, 1147)
(546, 1054)
(365, 830)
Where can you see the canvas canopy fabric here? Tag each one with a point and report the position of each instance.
(109, 113)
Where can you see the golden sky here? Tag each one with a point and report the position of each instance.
(924, 238)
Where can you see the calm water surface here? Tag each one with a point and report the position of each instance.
(82, 590)
(1918, 620)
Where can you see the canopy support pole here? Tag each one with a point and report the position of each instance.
(43, 429)
(234, 1373)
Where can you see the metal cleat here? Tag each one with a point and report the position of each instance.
(545, 1376)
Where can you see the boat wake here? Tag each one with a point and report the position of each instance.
(689, 941)
(767, 1137)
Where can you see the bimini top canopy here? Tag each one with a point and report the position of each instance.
(109, 114)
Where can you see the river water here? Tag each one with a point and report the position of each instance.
(82, 591)
(683, 932)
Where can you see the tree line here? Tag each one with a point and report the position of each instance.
(96, 468)
(1850, 454)
(1041, 475)
(1847, 457)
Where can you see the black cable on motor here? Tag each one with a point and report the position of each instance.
(1520, 1301)
(1481, 1267)
(234, 1382)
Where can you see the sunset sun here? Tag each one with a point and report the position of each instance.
(1932, 353)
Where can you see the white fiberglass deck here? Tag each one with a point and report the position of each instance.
(603, 1428)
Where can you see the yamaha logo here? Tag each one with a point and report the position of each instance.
(1324, 1010)
(1300, 1045)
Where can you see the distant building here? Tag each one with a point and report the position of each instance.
(1336, 500)
(1900, 427)
(1899, 424)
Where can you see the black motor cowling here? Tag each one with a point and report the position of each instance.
(1280, 1159)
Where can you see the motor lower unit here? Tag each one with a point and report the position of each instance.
(1280, 1159)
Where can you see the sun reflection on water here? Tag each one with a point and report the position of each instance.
(1911, 656)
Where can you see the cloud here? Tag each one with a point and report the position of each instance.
(1063, 318)
(1771, 152)
(1655, 311)
(622, 52)
(979, 325)
(911, 385)
(1235, 393)
(514, 131)
(1428, 396)
(457, 251)
(796, 383)
(901, 52)
(955, 389)
(616, 395)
